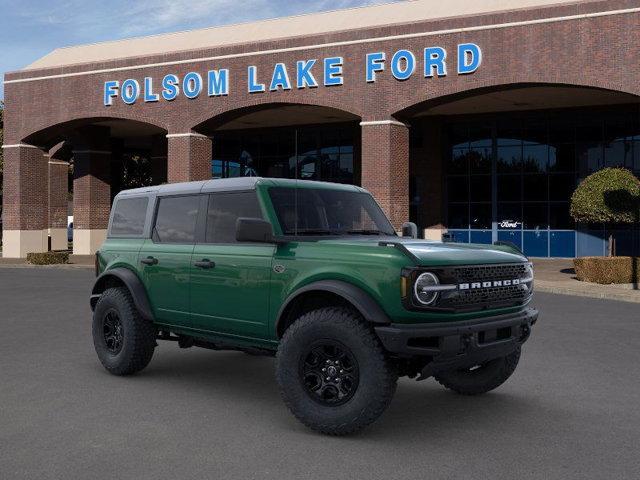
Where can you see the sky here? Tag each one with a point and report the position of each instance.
(29, 29)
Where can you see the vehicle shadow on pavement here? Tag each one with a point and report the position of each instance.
(420, 411)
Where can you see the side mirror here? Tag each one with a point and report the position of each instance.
(409, 229)
(254, 230)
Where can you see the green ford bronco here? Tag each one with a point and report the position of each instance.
(314, 274)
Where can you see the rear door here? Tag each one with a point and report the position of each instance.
(230, 280)
(165, 258)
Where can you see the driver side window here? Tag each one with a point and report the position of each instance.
(223, 211)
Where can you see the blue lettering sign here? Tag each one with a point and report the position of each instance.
(170, 87)
(149, 96)
(218, 82)
(110, 92)
(375, 63)
(434, 59)
(130, 91)
(333, 71)
(469, 58)
(280, 78)
(304, 77)
(403, 64)
(254, 87)
(192, 85)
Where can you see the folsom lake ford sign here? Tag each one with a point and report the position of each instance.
(308, 73)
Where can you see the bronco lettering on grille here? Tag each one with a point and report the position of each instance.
(494, 283)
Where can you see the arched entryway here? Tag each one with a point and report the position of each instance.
(501, 164)
(74, 170)
(287, 141)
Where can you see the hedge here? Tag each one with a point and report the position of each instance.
(48, 258)
(611, 195)
(607, 270)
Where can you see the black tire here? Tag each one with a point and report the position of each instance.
(130, 350)
(368, 382)
(480, 379)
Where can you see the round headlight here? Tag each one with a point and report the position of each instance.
(421, 288)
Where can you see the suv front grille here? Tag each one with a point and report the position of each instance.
(479, 290)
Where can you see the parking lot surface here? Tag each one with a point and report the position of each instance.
(569, 412)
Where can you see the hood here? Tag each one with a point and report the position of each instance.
(431, 253)
(438, 253)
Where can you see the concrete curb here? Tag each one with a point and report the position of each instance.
(63, 266)
(603, 292)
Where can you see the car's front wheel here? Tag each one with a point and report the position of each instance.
(480, 378)
(333, 373)
(124, 341)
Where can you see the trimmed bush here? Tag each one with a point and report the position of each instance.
(48, 258)
(607, 270)
(611, 195)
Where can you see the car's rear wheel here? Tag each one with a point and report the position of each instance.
(124, 341)
(480, 378)
(333, 373)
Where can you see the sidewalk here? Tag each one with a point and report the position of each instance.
(558, 276)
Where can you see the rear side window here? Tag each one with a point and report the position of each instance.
(129, 216)
(223, 211)
(176, 219)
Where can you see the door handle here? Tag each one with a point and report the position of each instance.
(149, 261)
(205, 263)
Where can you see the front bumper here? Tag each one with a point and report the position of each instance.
(449, 346)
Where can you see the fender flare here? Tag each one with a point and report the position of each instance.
(133, 284)
(361, 300)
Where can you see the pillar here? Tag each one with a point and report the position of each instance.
(91, 189)
(158, 159)
(385, 167)
(189, 157)
(25, 212)
(58, 190)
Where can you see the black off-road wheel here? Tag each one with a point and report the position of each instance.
(333, 373)
(124, 341)
(480, 378)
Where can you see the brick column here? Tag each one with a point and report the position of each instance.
(189, 157)
(58, 190)
(385, 167)
(91, 188)
(25, 211)
(159, 159)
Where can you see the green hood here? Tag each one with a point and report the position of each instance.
(431, 253)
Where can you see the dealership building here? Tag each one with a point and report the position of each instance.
(472, 118)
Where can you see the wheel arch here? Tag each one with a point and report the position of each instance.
(313, 295)
(128, 279)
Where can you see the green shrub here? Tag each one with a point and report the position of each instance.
(48, 258)
(607, 270)
(611, 195)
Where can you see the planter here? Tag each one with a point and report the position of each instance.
(607, 270)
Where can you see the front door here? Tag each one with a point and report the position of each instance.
(230, 281)
(165, 259)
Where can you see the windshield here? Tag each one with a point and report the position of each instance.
(328, 212)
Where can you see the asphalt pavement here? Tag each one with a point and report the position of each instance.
(571, 410)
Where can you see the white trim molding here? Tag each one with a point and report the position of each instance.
(477, 28)
(190, 134)
(58, 162)
(383, 122)
(21, 145)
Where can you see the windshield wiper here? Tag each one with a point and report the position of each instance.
(366, 232)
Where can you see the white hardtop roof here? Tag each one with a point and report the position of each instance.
(227, 185)
(286, 27)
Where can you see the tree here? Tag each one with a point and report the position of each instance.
(609, 196)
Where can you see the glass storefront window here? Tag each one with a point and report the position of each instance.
(324, 153)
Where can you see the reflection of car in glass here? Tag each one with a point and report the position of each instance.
(313, 273)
